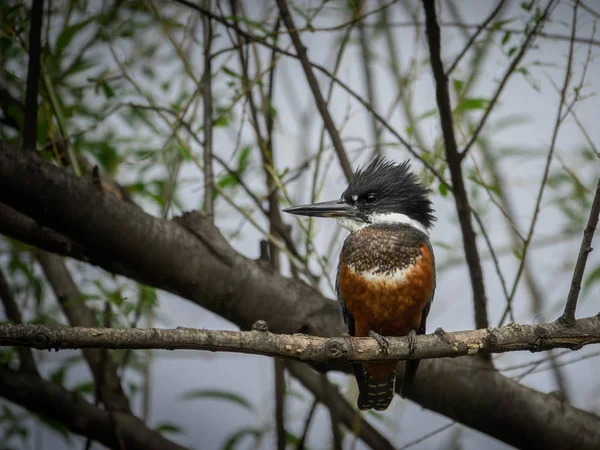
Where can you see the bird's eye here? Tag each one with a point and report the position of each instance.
(370, 198)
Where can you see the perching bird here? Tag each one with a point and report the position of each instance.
(386, 272)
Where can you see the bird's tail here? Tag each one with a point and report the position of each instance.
(376, 383)
(409, 375)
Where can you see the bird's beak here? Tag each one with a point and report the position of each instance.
(335, 208)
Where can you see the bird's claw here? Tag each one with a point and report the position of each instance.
(412, 341)
(381, 340)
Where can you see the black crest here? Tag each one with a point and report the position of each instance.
(386, 187)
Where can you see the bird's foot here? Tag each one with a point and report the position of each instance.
(381, 340)
(441, 333)
(412, 341)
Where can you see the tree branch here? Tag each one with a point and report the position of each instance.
(33, 75)
(27, 363)
(568, 316)
(307, 348)
(103, 368)
(328, 394)
(316, 90)
(460, 194)
(78, 415)
(190, 258)
(509, 71)
(209, 201)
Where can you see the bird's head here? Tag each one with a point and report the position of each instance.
(382, 192)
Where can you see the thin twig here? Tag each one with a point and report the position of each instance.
(209, 201)
(540, 195)
(347, 415)
(33, 75)
(336, 140)
(307, 422)
(26, 360)
(568, 316)
(509, 71)
(327, 73)
(365, 51)
(452, 156)
(470, 42)
(279, 369)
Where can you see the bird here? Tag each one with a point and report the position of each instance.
(386, 277)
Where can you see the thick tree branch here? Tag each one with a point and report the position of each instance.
(568, 316)
(114, 430)
(307, 348)
(190, 258)
(460, 194)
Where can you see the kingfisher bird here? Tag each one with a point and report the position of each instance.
(386, 273)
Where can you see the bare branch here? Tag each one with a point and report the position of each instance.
(452, 156)
(310, 348)
(208, 124)
(368, 78)
(196, 263)
(316, 90)
(557, 124)
(568, 316)
(509, 71)
(279, 371)
(345, 412)
(33, 75)
(78, 415)
(27, 363)
(472, 39)
(103, 369)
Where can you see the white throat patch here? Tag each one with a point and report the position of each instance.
(355, 225)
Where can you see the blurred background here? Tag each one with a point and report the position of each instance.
(126, 81)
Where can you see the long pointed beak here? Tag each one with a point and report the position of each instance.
(335, 208)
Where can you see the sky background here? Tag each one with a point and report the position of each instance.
(208, 423)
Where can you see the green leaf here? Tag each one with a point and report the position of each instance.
(443, 188)
(56, 426)
(168, 427)
(237, 436)
(458, 85)
(215, 394)
(472, 103)
(87, 387)
(67, 34)
(591, 279)
(488, 187)
(242, 164)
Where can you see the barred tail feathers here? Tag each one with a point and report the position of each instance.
(376, 384)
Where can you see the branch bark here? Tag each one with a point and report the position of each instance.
(568, 316)
(452, 156)
(190, 258)
(114, 430)
(307, 348)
